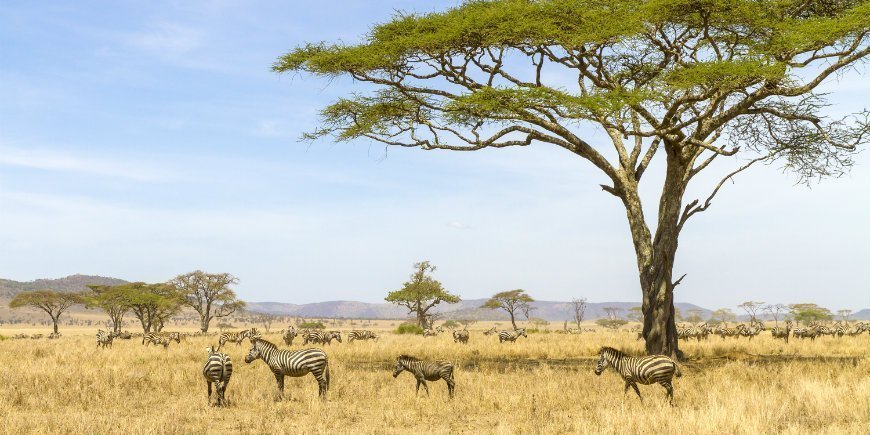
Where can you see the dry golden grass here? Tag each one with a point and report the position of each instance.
(541, 385)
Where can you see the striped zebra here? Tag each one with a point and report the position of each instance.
(460, 336)
(289, 335)
(162, 338)
(104, 338)
(511, 336)
(291, 363)
(54, 335)
(320, 337)
(361, 335)
(217, 370)
(426, 371)
(780, 332)
(490, 331)
(236, 337)
(430, 332)
(644, 370)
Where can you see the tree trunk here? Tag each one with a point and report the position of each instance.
(54, 320)
(203, 325)
(512, 320)
(421, 319)
(655, 258)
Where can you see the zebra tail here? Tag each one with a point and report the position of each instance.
(677, 371)
(327, 375)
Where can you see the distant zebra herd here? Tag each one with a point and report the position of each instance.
(811, 331)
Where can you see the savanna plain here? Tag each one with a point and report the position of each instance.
(543, 384)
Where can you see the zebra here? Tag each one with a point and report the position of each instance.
(361, 335)
(291, 363)
(54, 335)
(218, 369)
(511, 336)
(430, 332)
(460, 336)
(752, 331)
(320, 337)
(104, 338)
(645, 370)
(490, 331)
(426, 371)
(289, 335)
(780, 332)
(237, 337)
(161, 338)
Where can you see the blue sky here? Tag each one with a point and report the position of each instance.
(146, 139)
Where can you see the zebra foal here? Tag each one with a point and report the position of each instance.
(217, 370)
(426, 371)
(237, 337)
(291, 363)
(644, 370)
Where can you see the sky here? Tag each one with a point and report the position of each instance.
(142, 140)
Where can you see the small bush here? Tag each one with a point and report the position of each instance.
(312, 325)
(409, 328)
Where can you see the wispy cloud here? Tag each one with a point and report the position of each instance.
(59, 161)
(458, 225)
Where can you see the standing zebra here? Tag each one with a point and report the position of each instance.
(289, 335)
(780, 332)
(490, 331)
(460, 336)
(218, 369)
(361, 335)
(104, 339)
(237, 337)
(320, 337)
(291, 363)
(511, 336)
(426, 371)
(161, 338)
(645, 370)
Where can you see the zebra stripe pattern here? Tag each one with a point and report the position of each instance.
(490, 331)
(511, 336)
(320, 337)
(104, 339)
(237, 337)
(426, 371)
(162, 338)
(644, 370)
(460, 336)
(289, 335)
(361, 335)
(291, 363)
(217, 370)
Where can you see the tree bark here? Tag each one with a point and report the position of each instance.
(512, 320)
(54, 320)
(203, 326)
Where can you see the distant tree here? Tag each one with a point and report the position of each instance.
(776, 311)
(466, 322)
(54, 303)
(209, 294)
(611, 323)
(266, 320)
(526, 308)
(695, 316)
(511, 301)
(152, 304)
(538, 322)
(635, 314)
(808, 313)
(451, 324)
(751, 308)
(612, 312)
(110, 298)
(578, 308)
(844, 314)
(421, 293)
(723, 315)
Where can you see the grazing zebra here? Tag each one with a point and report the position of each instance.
(645, 370)
(752, 331)
(289, 335)
(104, 338)
(361, 335)
(460, 336)
(780, 332)
(161, 338)
(218, 369)
(123, 335)
(490, 331)
(54, 335)
(426, 371)
(35, 336)
(511, 336)
(320, 337)
(237, 337)
(431, 332)
(291, 363)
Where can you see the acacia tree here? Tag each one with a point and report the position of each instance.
(578, 308)
(751, 308)
(687, 83)
(54, 303)
(209, 294)
(510, 301)
(421, 293)
(775, 310)
(111, 299)
(152, 304)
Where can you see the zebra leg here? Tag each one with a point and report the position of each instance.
(633, 385)
(208, 399)
(627, 386)
(670, 392)
(426, 387)
(418, 388)
(279, 378)
(450, 385)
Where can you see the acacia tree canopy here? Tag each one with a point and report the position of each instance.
(685, 82)
(209, 294)
(111, 299)
(54, 303)
(510, 301)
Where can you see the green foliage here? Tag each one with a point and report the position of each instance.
(209, 294)
(409, 328)
(723, 315)
(421, 293)
(808, 313)
(312, 325)
(611, 323)
(451, 324)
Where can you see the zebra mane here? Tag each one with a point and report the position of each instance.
(267, 344)
(408, 357)
(612, 351)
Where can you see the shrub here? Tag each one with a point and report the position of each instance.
(409, 328)
(312, 325)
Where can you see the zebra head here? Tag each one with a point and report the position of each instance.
(209, 350)
(522, 331)
(253, 354)
(401, 364)
(336, 335)
(603, 360)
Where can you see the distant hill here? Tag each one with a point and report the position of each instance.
(861, 315)
(72, 283)
(467, 309)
